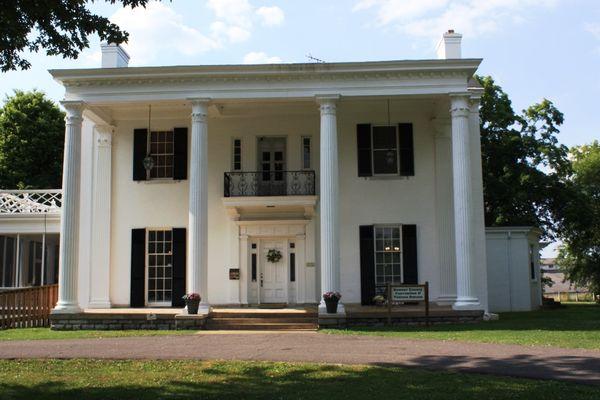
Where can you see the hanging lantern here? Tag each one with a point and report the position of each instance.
(148, 163)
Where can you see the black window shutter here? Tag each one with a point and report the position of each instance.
(367, 264)
(407, 152)
(180, 156)
(138, 268)
(363, 142)
(179, 267)
(409, 254)
(140, 151)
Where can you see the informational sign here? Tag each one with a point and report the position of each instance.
(234, 274)
(408, 293)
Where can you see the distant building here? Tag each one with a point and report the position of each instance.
(562, 289)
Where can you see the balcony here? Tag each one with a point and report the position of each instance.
(30, 201)
(269, 183)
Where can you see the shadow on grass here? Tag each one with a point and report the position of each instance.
(272, 380)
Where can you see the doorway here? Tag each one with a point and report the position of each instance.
(271, 166)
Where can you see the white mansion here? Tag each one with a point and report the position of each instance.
(183, 178)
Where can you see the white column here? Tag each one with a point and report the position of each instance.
(463, 203)
(329, 205)
(69, 220)
(100, 259)
(480, 261)
(198, 204)
(444, 211)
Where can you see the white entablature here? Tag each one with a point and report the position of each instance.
(277, 81)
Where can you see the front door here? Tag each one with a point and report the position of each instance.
(273, 283)
(271, 166)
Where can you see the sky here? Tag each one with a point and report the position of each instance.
(534, 49)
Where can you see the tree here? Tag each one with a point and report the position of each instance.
(61, 27)
(32, 130)
(524, 166)
(579, 256)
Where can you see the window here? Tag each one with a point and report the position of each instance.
(388, 254)
(532, 264)
(306, 152)
(292, 262)
(254, 262)
(162, 154)
(160, 267)
(385, 150)
(237, 155)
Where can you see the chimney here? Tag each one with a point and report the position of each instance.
(449, 45)
(113, 56)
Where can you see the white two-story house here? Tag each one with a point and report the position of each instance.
(183, 178)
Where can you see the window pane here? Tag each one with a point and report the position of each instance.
(385, 161)
(384, 137)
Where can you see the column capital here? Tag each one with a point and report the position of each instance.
(327, 103)
(459, 104)
(105, 133)
(199, 109)
(474, 103)
(74, 110)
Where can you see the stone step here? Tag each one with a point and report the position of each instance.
(271, 320)
(277, 315)
(254, 326)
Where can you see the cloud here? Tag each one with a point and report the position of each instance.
(259, 57)
(157, 28)
(428, 18)
(271, 16)
(594, 29)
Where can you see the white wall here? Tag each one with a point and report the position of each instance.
(364, 201)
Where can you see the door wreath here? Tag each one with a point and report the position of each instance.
(273, 255)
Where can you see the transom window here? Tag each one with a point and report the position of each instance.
(160, 266)
(384, 142)
(161, 152)
(388, 254)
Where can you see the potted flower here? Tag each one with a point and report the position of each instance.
(331, 301)
(379, 300)
(192, 301)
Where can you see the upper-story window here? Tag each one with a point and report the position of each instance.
(306, 152)
(161, 152)
(236, 156)
(384, 141)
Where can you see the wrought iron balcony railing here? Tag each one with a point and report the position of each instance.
(269, 183)
(30, 201)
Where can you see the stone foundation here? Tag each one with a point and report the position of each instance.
(381, 319)
(110, 321)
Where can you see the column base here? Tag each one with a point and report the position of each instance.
(66, 308)
(341, 310)
(99, 304)
(466, 303)
(446, 300)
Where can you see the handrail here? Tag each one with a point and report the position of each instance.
(35, 201)
(269, 183)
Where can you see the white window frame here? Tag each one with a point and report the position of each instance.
(310, 152)
(400, 252)
(164, 303)
(151, 154)
(241, 168)
(397, 173)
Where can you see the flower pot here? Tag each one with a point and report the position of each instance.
(331, 305)
(192, 306)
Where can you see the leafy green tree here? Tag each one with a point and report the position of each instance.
(32, 130)
(579, 256)
(524, 166)
(61, 27)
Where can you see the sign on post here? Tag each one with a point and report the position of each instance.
(408, 294)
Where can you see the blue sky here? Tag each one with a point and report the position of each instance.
(533, 48)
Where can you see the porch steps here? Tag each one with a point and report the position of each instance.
(262, 320)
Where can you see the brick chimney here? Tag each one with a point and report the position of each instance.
(449, 45)
(114, 56)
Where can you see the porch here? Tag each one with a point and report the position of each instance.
(301, 317)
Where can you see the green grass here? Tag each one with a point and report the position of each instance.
(94, 379)
(576, 325)
(47, 333)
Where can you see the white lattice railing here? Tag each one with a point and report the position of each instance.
(30, 201)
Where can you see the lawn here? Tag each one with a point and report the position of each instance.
(576, 325)
(94, 379)
(47, 333)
